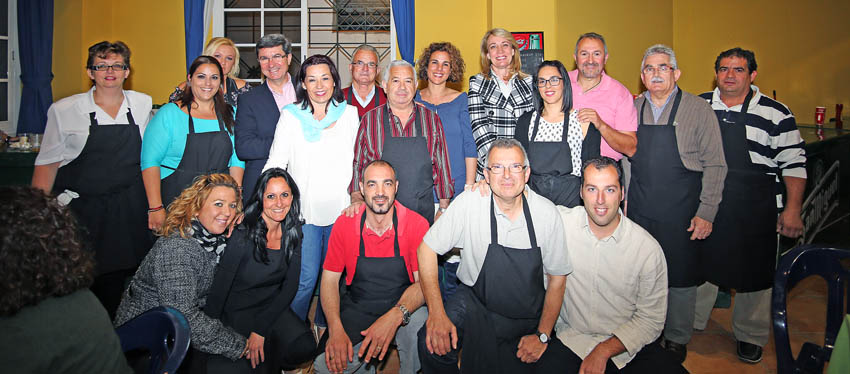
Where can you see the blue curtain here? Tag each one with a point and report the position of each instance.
(193, 15)
(35, 37)
(405, 27)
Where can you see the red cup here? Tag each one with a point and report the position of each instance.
(820, 113)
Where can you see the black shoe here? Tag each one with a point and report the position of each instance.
(680, 351)
(749, 353)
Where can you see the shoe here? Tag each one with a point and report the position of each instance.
(680, 351)
(749, 353)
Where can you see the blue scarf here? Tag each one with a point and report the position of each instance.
(311, 128)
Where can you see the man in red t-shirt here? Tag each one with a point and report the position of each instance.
(377, 250)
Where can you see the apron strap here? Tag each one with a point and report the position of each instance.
(191, 123)
(417, 123)
(396, 249)
(537, 126)
(92, 119)
(744, 106)
(494, 232)
(130, 118)
(673, 110)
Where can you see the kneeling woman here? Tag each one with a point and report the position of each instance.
(257, 280)
(178, 271)
(556, 142)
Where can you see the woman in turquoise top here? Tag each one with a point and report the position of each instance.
(190, 137)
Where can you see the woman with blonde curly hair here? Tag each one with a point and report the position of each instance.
(225, 51)
(499, 94)
(179, 270)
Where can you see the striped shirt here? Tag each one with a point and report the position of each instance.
(772, 135)
(370, 144)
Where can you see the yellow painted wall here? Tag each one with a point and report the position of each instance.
(802, 48)
(152, 29)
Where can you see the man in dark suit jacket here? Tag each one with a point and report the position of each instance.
(259, 109)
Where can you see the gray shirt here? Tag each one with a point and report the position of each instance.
(466, 225)
(619, 287)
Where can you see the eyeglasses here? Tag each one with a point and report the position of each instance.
(663, 68)
(265, 60)
(500, 169)
(554, 81)
(360, 64)
(113, 67)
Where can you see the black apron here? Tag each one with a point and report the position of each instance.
(741, 251)
(552, 167)
(664, 197)
(377, 286)
(412, 162)
(204, 153)
(353, 101)
(505, 304)
(112, 205)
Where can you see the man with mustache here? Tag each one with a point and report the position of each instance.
(616, 299)
(761, 143)
(409, 136)
(363, 92)
(377, 250)
(676, 184)
(602, 100)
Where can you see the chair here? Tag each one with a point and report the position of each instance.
(163, 331)
(796, 265)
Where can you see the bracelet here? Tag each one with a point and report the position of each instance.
(157, 209)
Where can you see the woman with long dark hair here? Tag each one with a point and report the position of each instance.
(257, 279)
(314, 141)
(556, 142)
(190, 137)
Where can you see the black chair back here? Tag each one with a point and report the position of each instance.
(162, 331)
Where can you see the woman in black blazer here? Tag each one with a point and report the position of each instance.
(257, 279)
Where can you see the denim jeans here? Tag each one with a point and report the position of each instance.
(313, 250)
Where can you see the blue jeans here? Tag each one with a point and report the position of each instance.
(313, 250)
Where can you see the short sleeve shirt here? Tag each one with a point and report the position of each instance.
(344, 243)
(466, 225)
(612, 101)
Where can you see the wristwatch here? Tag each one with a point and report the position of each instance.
(405, 315)
(543, 337)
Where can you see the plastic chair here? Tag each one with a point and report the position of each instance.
(796, 265)
(163, 331)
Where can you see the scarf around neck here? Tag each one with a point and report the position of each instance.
(209, 242)
(312, 128)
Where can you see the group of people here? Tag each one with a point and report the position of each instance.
(436, 219)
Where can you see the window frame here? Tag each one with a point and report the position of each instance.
(10, 126)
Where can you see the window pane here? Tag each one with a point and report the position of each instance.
(4, 17)
(295, 65)
(282, 3)
(249, 68)
(4, 59)
(242, 27)
(241, 3)
(4, 101)
(286, 23)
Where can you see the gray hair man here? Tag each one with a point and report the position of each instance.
(364, 93)
(742, 251)
(259, 108)
(409, 136)
(677, 176)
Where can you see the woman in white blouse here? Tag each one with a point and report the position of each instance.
(556, 142)
(314, 142)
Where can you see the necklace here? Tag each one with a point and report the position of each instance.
(594, 86)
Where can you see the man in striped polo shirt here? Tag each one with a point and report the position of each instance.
(764, 153)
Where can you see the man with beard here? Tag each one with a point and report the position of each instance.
(761, 143)
(363, 92)
(676, 183)
(602, 100)
(377, 250)
(616, 299)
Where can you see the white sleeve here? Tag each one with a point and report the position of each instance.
(279, 151)
(53, 142)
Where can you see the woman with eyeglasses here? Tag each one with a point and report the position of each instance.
(557, 144)
(225, 51)
(89, 160)
(189, 138)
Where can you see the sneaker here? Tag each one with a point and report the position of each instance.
(749, 353)
(680, 351)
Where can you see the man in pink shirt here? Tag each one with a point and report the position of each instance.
(601, 99)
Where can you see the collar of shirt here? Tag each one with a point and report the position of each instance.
(718, 104)
(288, 95)
(504, 87)
(600, 88)
(616, 236)
(88, 105)
(401, 126)
(656, 111)
(364, 101)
